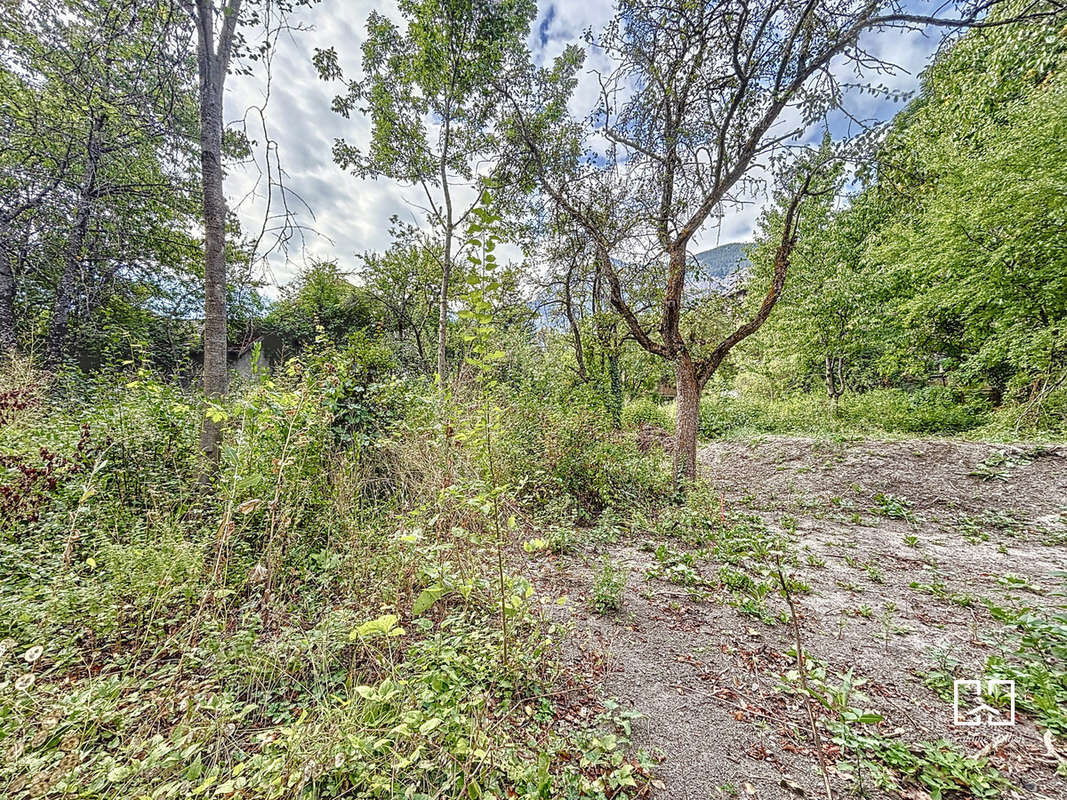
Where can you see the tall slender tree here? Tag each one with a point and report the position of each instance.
(216, 27)
(427, 88)
(219, 41)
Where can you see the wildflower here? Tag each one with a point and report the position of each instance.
(258, 574)
(25, 681)
(33, 654)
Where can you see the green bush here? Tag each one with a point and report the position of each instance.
(647, 411)
(931, 410)
(568, 460)
(287, 631)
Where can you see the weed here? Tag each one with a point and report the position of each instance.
(609, 583)
(874, 572)
(894, 507)
(935, 768)
(939, 590)
(676, 567)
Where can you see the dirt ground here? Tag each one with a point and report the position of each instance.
(900, 542)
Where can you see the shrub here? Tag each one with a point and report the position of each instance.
(568, 459)
(608, 586)
(647, 411)
(931, 409)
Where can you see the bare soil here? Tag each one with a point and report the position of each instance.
(900, 542)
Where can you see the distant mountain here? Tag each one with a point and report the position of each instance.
(723, 268)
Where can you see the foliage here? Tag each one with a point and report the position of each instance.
(1032, 651)
(609, 583)
(308, 631)
(320, 303)
(95, 171)
(879, 411)
(645, 411)
(937, 768)
(947, 265)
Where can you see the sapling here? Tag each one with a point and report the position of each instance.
(483, 287)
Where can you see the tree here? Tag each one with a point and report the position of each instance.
(214, 51)
(94, 158)
(319, 299)
(405, 282)
(577, 287)
(219, 39)
(698, 95)
(980, 263)
(818, 311)
(427, 89)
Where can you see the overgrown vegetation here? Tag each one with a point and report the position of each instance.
(327, 623)
(316, 540)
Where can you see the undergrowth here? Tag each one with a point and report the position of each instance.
(320, 621)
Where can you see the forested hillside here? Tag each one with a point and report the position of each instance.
(531, 495)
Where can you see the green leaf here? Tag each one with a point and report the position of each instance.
(427, 597)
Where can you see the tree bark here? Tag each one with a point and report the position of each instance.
(615, 389)
(686, 421)
(213, 61)
(8, 339)
(442, 312)
(576, 332)
(215, 339)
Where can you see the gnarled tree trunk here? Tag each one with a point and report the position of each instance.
(687, 419)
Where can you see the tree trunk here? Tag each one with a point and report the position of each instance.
(215, 371)
(835, 382)
(442, 311)
(615, 394)
(63, 304)
(576, 333)
(8, 340)
(686, 421)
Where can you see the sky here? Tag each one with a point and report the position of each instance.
(342, 215)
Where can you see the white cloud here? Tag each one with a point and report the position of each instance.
(352, 215)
